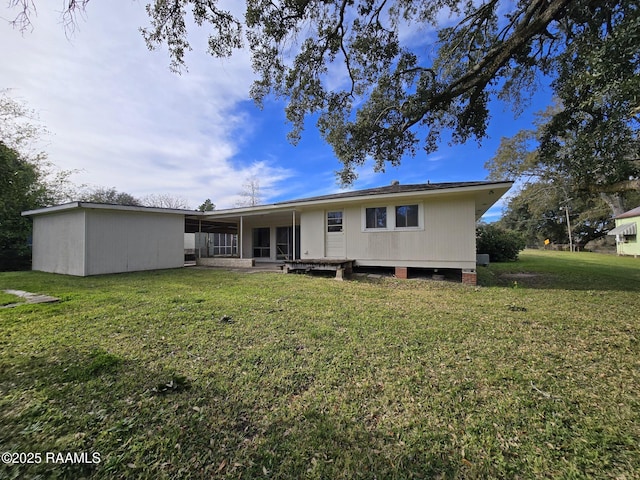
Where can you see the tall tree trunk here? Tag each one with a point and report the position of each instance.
(615, 202)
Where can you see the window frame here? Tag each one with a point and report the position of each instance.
(329, 225)
(417, 218)
(391, 217)
(375, 218)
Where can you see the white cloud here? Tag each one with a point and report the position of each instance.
(120, 116)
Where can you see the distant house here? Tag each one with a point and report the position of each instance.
(626, 231)
(428, 226)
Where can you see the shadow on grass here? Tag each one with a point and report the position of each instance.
(318, 444)
(93, 402)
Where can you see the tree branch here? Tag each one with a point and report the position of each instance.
(497, 57)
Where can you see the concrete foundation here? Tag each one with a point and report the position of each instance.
(226, 262)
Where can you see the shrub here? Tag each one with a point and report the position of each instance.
(501, 245)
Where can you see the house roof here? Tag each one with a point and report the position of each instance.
(486, 194)
(391, 189)
(631, 213)
(103, 206)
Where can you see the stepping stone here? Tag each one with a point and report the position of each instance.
(29, 298)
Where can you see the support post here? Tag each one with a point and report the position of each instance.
(566, 209)
(402, 272)
(199, 254)
(469, 277)
(294, 235)
(241, 236)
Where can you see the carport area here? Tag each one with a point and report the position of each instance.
(242, 238)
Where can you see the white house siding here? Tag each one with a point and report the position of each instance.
(58, 243)
(126, 241)
(445, 239)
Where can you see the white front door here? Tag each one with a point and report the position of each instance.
(334, 234)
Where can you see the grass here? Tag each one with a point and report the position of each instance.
(8, 299)
(212, 374)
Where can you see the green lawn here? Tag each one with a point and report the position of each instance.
(8, 299)
(210, 374)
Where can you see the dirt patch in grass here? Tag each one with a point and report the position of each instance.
(520, 275)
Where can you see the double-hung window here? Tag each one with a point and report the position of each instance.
(376, 217)
(407, 216)
(334, 222)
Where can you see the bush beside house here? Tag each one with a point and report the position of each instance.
(501, 245)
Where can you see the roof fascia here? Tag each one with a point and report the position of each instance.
(469, 189)
(295, 204)
(106, 206)
(54, 209)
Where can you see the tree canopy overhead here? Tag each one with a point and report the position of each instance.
(380, 91)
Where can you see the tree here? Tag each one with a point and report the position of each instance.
(20, 191)
(250, 194)
(569, 159)
(27, 180)
(165, 200)
(398, 94)
(594, 136)
(550, 184)
(207, 206)
(110, 196)
(22, 132)
(538, 213)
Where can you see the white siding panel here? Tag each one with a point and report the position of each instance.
(452, 229)
(58, 243)
(132, 241)
(447, 239)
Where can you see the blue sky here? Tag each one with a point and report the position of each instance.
(120, 118)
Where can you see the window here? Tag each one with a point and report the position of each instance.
(376, 217)
(407, 216)
(262, 242)
(334, 222)
(225, 244)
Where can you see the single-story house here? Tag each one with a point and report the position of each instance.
(429, 226)
(626, 231)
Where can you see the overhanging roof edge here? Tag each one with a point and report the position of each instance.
(106, 206)
(357, 196)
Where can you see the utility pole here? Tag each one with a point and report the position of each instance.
(566, 210)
